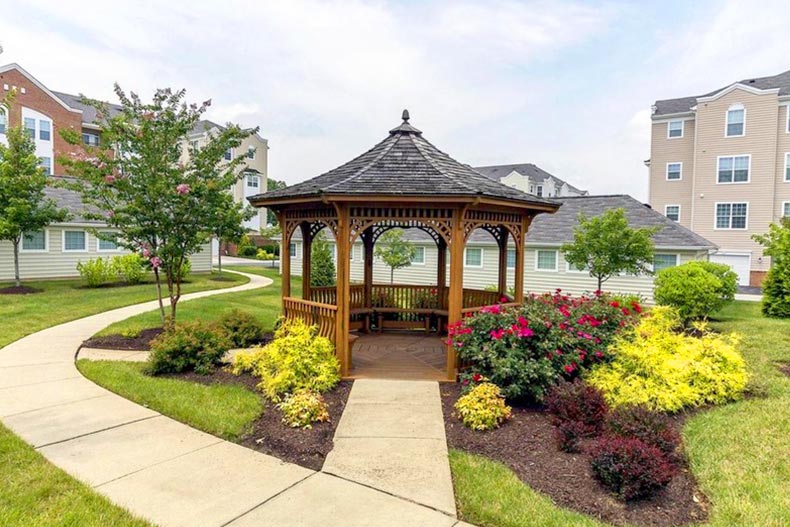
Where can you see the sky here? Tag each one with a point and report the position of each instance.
(566, 85)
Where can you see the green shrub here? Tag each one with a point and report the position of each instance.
(242, 328)
(665, 369)
(483, 407)
(130, 268)
(526, 349)
(247, 251)
(322, 263)
(630, 468)
(195, 346)
(97, 271)
(262, 254)
(186, 268)
(695, 289)
(776, 286)
(303, 408)
(296, 359)
(130, 333)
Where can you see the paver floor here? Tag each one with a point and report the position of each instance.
(176, 476)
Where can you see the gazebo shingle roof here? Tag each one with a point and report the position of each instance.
(403, 164)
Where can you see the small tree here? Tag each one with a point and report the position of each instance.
(395, 251)
(227, 221)
(322, 264)
(161, 203)
(23, 206)
(273, 184)
(606, 246)
(776, 287)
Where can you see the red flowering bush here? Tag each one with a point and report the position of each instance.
(653, 428)
(578, 411)
(527, 349)
(630, 467)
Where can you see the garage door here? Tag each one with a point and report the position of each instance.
(738, 262)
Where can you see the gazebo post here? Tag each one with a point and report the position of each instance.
(456, 295)
(285, 258)
(502, 284)
(343, 288)
(441, 272)
(367, 242)
(307, 250)
(519, 285)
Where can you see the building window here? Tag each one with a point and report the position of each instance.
(786, 209)
(107, 245)
(253, 181)
(44, 130)
(532, 189)
(228, 154)
(46, 163)
(419, 256)
(251, 152)
(546, 260)
(34, 241)
(473, 257)
(734, 169)
(731, 215)
(787, 166)
(292, 250)
(90, 139)
(672, 212)
(663, 261)
(674, 171)
(2, 121)
(30, 126)
(573, 268)
(75, 241)
(736, 121)
(511, 259)
(675, 129)
(540, 191)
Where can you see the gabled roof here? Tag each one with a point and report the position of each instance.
(403, 164)
(71, 201)
(55, 96)
(533, 172)
(685, 104)
(88, 112)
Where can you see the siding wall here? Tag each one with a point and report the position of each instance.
(58, 264)
(672, 150)
(782, 192)
(535, 281)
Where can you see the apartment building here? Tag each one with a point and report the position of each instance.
(720, 166)
(531, 179)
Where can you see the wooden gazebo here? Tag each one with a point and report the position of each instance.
(404, 181)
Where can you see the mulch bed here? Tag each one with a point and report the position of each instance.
(141, 342)
(526, 444)
(304, 447)
(784, 367)
(21, 290)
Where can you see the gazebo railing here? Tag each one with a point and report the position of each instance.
(405, 296)
(328, 295)
(323, 316)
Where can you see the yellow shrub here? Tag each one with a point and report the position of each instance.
(303, 408)
(483, 407)
(664, 369)
(297, 359)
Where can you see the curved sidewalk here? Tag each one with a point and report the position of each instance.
(161, 469)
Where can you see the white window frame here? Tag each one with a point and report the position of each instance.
(482, 257)
(676, 255)
(227, 152)
(251, 150)
(98, 244)
(256, 177)
(44, 250)
(40, 129)
(3, 119)
(539, 191)
(27, 130)
(507, 258)
(681, 170)
(682, 128)
(420, 249)
(569, 269)
(730, 228)
(556, 261)
(786, 177)
(734, 107)
(673, 205)
(63, 241)
(785, 208)
(48, 169)
(733, 182)
(787, 119)
(295, 252)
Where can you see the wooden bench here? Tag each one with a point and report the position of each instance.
(425, 323)
(362, 312)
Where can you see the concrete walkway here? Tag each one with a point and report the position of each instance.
(166, 471)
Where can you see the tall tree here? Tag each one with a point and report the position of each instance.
(24, 209)
(395, 251)
(606, 246)
(227, 221)
(273, 184)
(322, 264)
(161, 203)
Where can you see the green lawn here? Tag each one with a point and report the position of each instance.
(65, 300)
(263, 303)
(219, 409)
(740, 452)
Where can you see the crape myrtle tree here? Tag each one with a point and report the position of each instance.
(23, 205)
(156, 190)
(606, 246)
(395, 251)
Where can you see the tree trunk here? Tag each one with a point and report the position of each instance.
(600, 284)
(17, 280)
(392, 275)
(219, 258)
(159, 296)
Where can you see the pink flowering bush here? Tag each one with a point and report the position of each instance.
(527, 349)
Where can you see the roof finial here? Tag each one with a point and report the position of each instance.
(405, 116)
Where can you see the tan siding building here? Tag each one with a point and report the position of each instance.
(719, 166)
